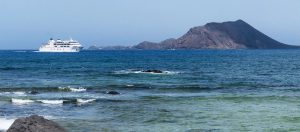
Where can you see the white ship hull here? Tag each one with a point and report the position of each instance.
(46, 49)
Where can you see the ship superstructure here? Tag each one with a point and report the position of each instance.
(61, 46)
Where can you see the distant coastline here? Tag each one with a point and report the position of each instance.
(227, 35)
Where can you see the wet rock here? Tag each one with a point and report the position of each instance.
(33, 92)
(35, 123)
(112, 92)
(153, 71)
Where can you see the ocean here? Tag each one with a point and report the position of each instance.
(198, 90)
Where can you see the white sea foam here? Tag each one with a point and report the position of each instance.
(80, 89)
(163, 73)
(83, 101)
(63, 88)
(131, 71)
(19, 93)
(5, 123)
(52, 101)
(21, 101)
(49, 117)
(171, 72)
(129, 85)
(14, 93)
(5, 93)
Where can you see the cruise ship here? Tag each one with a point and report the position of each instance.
(61, 46)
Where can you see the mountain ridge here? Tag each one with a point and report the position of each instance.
(226, 35)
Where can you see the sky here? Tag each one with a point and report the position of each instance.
(26, 24)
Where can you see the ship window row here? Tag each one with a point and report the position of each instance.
(61, 44)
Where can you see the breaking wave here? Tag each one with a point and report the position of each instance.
(134, 71)
(51, 101)
(83, 101)
(21, 101)
(19, 93)
(80, 89)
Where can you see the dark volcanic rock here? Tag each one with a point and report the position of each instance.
(35, 123)
(148, 45)
(33, 92)
(153, 71)
(112, 92)
(227, 35)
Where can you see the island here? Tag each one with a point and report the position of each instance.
(226, 35)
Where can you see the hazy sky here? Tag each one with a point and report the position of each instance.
(25, 24)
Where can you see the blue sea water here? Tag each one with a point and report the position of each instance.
(199, 90)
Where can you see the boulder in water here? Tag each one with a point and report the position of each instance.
(112, 92)
(35, 123)
(153, 71)
(33, 92)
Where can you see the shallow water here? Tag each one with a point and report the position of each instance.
(199, 90)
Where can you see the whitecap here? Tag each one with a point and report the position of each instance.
(49, 117)
(132, 71)
(137, 72)
(129, 71)
(63, 88)
(161, 73)
(5, 123)
(129, 85)
(83, 101)
(171, 72)
(5, 93)
(52, 101)
(19, 93)
(15, 93)
(80, 89)
(21, 101)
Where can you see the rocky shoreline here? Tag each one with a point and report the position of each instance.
(35, 123)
